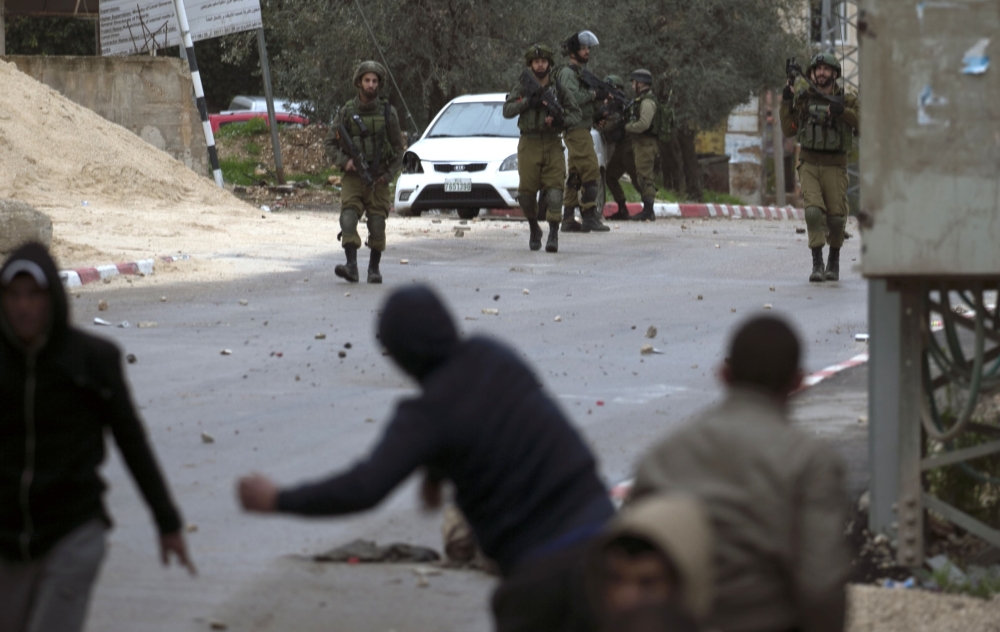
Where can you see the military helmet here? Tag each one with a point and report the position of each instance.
(366, 67)
(539, 51)
(576, 41)
(825, 58)
(642, 76)
(616, 81)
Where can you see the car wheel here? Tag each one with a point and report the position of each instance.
(468, 213)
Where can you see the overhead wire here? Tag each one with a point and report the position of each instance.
(388, 69)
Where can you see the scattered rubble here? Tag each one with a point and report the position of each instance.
(320, 336)
(207, 438)
(244, 302)
(131, 359)
(651, 332)
(491, 311)
(226, 352)
(147, 324)
(558, 319)
(102, 305)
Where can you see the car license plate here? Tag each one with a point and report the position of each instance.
(458, 186)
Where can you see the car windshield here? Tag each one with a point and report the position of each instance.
(474, 119)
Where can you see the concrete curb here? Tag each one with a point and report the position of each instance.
(619, 493)
(83, 276)
(691, 211)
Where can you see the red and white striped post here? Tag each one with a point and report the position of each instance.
(188, 44)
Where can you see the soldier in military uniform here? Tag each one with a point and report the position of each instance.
(619, 145)
(541, 165)
(373, 126)
(823, 118)
(584, 179)
(643, 136)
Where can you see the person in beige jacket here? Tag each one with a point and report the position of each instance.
(775, 495)
(651, 569)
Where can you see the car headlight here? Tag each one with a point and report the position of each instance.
(411, 163)
(509, 163)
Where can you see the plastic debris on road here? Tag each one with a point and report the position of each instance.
(101, 321)
(123, 325)
(861, 337)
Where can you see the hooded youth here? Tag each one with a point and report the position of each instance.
(523, 476)
(56, 401)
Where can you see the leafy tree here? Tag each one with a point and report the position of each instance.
(50, 36)
(709, 56)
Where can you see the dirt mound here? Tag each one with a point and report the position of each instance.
(54, 150)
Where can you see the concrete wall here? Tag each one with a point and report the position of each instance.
(745, 148)
(152, 96)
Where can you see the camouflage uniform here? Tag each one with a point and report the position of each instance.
(383, 141)
(619, 146)
(584, 168)
(644, 147)
(541, 165)
(825, 138)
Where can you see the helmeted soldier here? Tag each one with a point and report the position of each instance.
(541, 165)
(583, 183)
(619, 147)
(373, 129)
(823, 119)
(643, 135)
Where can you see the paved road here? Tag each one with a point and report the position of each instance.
(284, 403)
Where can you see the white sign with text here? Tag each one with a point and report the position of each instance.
(130, 27)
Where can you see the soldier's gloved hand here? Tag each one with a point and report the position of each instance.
(787, 94)
(836, 109)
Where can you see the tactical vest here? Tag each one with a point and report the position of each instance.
(376, 122)
(817, 130)
(587, 109)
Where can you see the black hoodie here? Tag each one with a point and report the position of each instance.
(55, 404)
(523, 476)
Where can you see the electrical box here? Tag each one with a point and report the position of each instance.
(930, 138)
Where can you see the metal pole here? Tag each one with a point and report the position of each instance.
(909, 509)
(778, 149)
(265, 69)
(188, 44)
(883, 404)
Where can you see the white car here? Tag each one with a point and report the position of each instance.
(467, 160)
(242, 103)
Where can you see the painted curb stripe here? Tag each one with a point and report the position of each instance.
(82, 276)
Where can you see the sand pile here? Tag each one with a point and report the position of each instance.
(53, 151)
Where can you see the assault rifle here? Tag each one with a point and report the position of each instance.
(793, 70)
(360, 164)
(536, 91)
(605, 90)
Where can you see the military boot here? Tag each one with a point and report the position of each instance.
(591, 222)
(818, 274)
(621, 213)
(535, 235)
(647, 211)
(374, 276)
(552, 243)
(833, 265)
(349, 270)
(569, 223)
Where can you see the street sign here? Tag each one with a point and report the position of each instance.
(130, 27)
